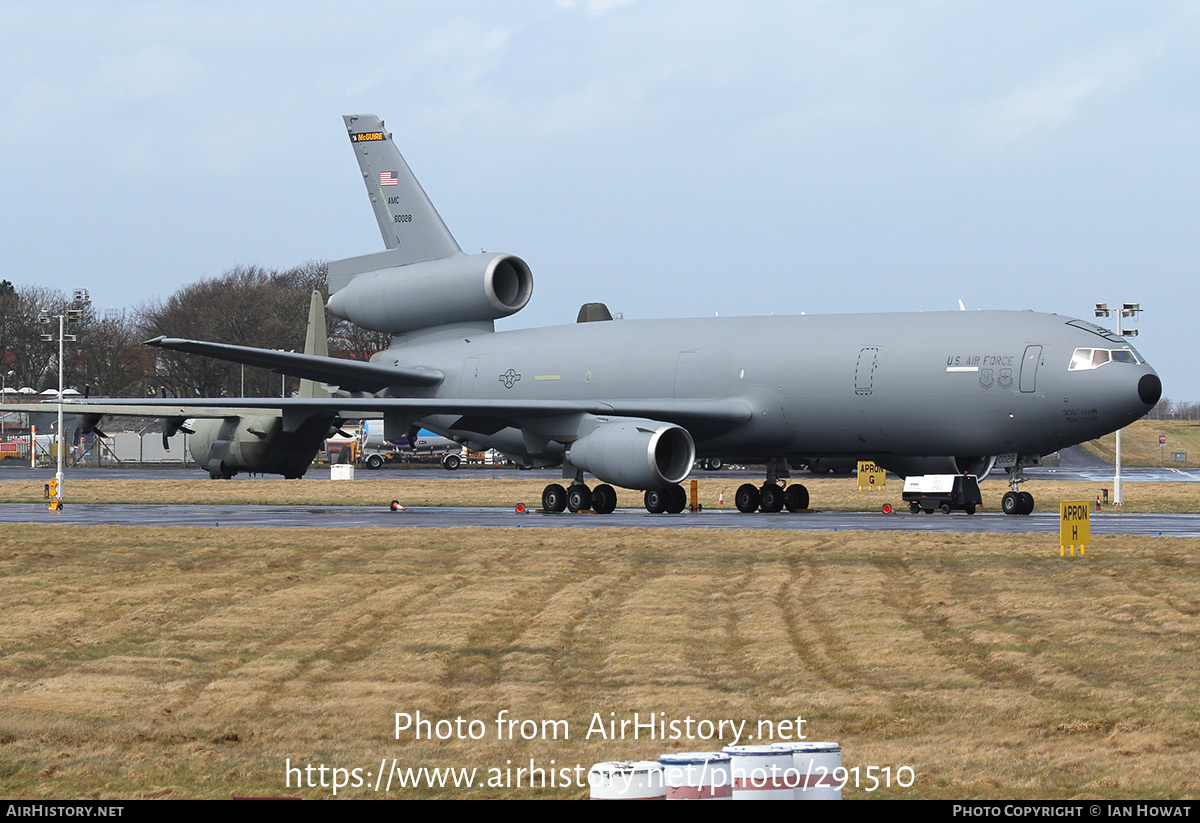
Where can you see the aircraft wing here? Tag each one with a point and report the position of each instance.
(482, 416)
(169, 407)
(352, 375)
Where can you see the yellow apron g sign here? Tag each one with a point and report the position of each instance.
(870, 475)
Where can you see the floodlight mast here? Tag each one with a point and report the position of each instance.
(73, 316)
(1126, 310)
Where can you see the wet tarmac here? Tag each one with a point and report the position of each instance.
(1106, 522)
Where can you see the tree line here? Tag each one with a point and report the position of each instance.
(246, 306)
(1167, 409)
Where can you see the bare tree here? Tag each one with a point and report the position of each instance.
(245, 306)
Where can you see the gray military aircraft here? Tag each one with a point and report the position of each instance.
(634, 402)
(228, 436)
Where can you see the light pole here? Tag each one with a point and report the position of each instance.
(1126, 310)
(72, 316)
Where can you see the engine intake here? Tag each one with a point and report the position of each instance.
(635, 453)
(465, 288)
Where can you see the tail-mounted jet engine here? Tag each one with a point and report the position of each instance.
(464, 288)
(635, 453)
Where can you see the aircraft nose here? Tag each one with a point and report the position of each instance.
(1149, 389)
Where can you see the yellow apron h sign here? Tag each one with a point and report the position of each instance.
(1074, 526)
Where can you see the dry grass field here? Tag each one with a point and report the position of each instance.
(176, 663)
(1140, 446)
(465, 489)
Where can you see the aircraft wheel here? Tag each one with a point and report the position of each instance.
(795, 499)
(374, 461)
(656, 500)
(1026, 503)
(770, 498)
(914, 507)
(1011, 503)
(604, 499)
(579, 498)
(747, 498)
(451, 462)
(554, 498)
(714, 464)
(677, 498)
(945, 508)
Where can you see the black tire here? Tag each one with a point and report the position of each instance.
(945, 508)
(970, 508)
(656, 500)
(604, 499)
(770, 498)
(374, 461)
(554, 498)
(914, 507)
(451, 462)
(747, 498)
(1011, 503)
(714, 464)
(677, 500)
(928, 511)
(579, 498)
(1026, 503)
(795, 499)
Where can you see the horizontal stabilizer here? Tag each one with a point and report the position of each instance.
(351, 375)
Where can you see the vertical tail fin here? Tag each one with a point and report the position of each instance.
(407, 220)
(316, 341)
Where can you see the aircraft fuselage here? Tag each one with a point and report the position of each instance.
(919, 384)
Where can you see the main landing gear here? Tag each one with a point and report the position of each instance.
(772, 496)
(603, 499)
(578, 498)
(671, 500)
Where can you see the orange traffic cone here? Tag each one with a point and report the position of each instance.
(721, 499)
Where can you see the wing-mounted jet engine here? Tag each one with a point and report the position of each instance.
(634, 453)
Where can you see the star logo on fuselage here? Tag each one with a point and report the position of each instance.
(509, 378)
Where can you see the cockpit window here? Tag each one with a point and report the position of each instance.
(1095, 358)
(1081, 360)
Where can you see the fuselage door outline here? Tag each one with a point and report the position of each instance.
(1029, 367)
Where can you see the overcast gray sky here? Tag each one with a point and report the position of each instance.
(668, 158)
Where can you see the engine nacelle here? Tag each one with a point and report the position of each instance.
(465, 288)
(635, 453)
(905, 466)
